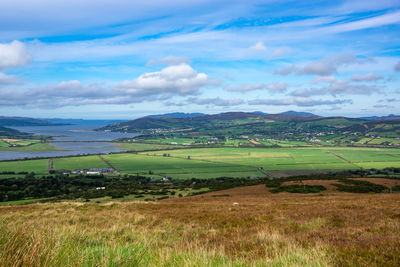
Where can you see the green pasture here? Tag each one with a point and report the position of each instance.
(151, 161)
(22, 202)
(36, 147)
(143, 146)
(39, 166)
(84, 162)
(3, 144)
(326, 158)
(224, 161)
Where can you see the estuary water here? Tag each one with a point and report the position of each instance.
(77, 139)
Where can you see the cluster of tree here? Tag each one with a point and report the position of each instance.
(11, 172)
(62, 186)
(346, 185)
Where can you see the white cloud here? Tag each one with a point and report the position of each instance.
(323, 67)
(386, 19)
(324, 79)
(336, 87)
(383, 106)
(281, 51)
(272, 87)
(13, 54)
(259, 46)
(215, 101)
(366, 78)
(7, 79)
(397, 67)
(297, 101)
(170, 60)
(174, 80)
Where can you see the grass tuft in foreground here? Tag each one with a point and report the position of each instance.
(118, 235)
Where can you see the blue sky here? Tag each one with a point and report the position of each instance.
(124, 59)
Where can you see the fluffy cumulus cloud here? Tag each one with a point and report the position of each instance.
(323, 67)
(277, 87)
(171, 81)
(13, 54)
(298, 101)
(179, 79)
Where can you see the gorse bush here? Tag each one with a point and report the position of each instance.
(303, 189)
(357, 186)
(273, 183)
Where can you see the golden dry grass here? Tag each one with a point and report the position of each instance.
(263, 229)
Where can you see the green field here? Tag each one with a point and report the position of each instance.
(147, 163)
(225, 161)
(85, 162)
(297, 158)
(143, 147)
(36, 147)
(21, 202)
(39, 166)
(3, 144)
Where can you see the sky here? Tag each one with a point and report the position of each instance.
(123, 59)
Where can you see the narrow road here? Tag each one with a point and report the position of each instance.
(108, 163)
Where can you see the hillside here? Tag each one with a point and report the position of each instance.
(382, 128)
(7, 132)
(245, 226)
(234, 123)
(23, 121)
(299, 114)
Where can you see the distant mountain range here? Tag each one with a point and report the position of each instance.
(80, 121)
(23, 121)
(388, 117)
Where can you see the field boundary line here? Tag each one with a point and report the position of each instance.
(345, 160)
(108, 163)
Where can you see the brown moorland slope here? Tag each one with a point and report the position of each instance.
(235, 227)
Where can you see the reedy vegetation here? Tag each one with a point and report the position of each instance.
(71, 234)
(263, 230)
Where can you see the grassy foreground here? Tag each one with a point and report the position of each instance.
(263, 229)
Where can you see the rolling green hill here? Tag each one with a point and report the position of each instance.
(8, 132)
(235, 123)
